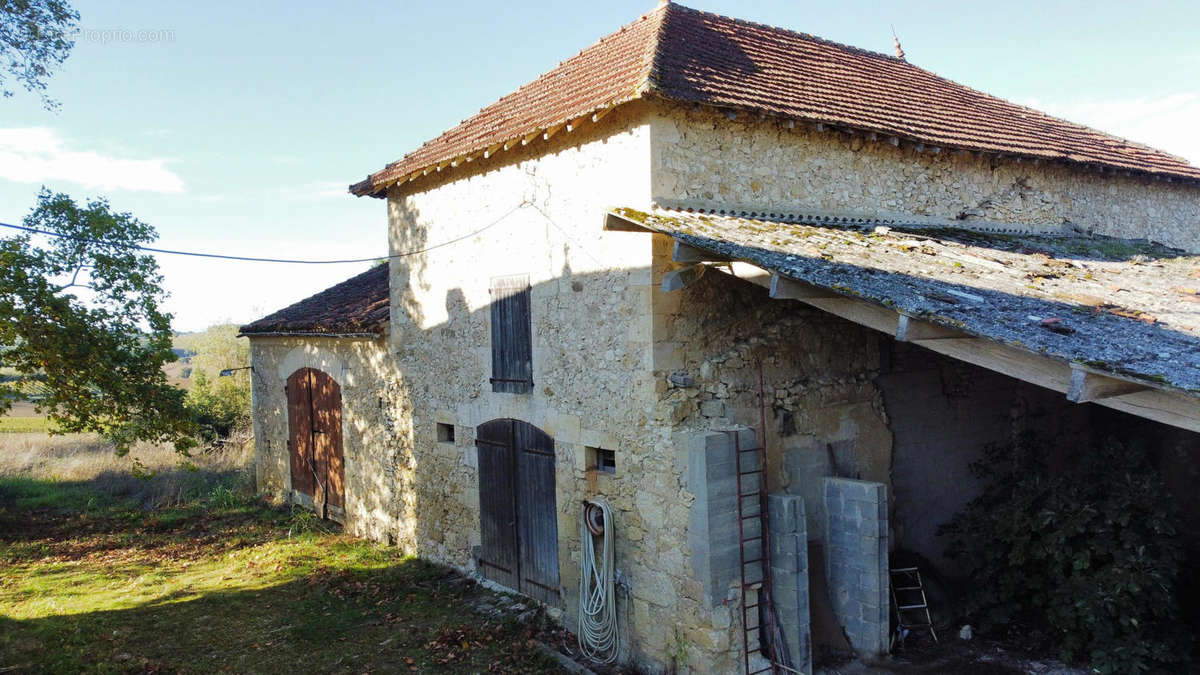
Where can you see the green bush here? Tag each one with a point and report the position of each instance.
(220, 407)
(1091, 552)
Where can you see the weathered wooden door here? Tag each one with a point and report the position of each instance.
(518, 510)
(315, 438)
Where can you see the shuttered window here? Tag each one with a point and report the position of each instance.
(512, 341)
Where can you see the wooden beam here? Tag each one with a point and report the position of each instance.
(615, 223)
(881, 319)
(529, 137)
(746, 272)
(551, 131)
(1174, 409)
(576, 123)
(1087, 386)
(492, 150)
(685, 253)
(783, 288)
(511, 143)
(599, 114)
(909, 329)
(1005, 359)
(677, 279)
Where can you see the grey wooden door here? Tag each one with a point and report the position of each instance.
(517, 505)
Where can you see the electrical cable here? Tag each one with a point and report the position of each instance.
(220, 256)
(598, 637)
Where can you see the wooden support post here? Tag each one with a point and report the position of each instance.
(783, 288)
(909, 329)
(1088, 386)
(685, 253)
(677, 279)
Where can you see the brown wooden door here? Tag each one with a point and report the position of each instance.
(518, 508)
(315, 437)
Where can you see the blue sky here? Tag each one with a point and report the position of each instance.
(236, 127)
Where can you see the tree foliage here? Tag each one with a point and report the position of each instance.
(81, 312)
(35, 39)
(1091, 552)
(221, 404)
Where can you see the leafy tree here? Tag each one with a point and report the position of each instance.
(221, 404)
(35, 38)
(80, 311)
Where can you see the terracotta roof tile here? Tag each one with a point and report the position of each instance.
(358, 305)
(688, 56)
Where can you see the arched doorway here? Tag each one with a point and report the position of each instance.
(517, 508)
(315, 439)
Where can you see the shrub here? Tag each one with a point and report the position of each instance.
(1091, 552)
(220, 407)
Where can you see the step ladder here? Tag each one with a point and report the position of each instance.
(763, 650)
(909, 603)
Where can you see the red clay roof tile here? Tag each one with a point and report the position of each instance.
(358, 305)
(689, 56)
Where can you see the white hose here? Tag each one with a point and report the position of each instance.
(597, 595)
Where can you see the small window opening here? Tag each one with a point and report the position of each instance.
(445, 433)
(604, 461)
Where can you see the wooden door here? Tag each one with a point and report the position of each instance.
(315, 438)
(518, 508)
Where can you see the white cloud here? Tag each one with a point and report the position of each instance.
(40, 155)
(1167, 122)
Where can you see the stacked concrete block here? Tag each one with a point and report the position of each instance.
(713, 533)
(789, 576)
(856, 560)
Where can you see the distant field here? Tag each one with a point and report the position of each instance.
(23, 419)
(11, 424)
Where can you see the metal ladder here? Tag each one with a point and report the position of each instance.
(755, 567)
(906, 583)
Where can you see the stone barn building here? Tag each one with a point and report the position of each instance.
(700, 235)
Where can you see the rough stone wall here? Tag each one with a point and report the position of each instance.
(702, 159)
(363, 371)
(824, 413)
(591, 362)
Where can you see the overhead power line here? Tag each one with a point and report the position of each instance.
(240, 258)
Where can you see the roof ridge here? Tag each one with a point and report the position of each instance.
(899, 61)
(689, 56)
(807, 36)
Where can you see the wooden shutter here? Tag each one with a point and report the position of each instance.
(537, 517)
(327, 437)
(512, 338)
(497, 503)
(300, 448)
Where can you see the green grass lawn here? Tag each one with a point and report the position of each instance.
(24, 425)
(95, 583)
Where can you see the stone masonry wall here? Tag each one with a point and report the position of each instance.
(363, 371)
(542, 215)
(704, 160)
(825, 416)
